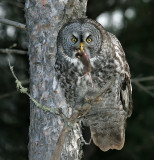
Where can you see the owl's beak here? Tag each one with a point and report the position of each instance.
(81, 46)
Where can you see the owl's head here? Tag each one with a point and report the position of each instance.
(81, 34)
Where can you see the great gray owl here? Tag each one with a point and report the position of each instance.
(87, 60)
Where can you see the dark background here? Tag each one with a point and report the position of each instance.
(136, 34)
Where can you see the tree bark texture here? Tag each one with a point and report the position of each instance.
(44, 18)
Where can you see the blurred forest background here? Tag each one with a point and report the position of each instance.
(132, 22)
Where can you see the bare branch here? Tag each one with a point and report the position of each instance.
(13, 23)
(5, 95)
(150, 78)
(59, 145)
(17, 4)
(25, 91)
(81, 111)
(137, 82)
(8, 94)
(144, 59)
(13, 51)
(143, 88)
(134, 81)
(150, 87)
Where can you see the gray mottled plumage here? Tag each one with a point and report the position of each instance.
(107, 118)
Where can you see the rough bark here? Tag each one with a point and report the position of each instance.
(44, 18)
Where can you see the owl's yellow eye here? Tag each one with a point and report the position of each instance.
(89, 40)
(74, 39)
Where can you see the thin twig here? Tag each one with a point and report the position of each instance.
(144, 59)
(17, 4)
(150, 78)
(25, 91)
(13, 51)
(7, 94)
(143, 88)
(150, 87)
(147, 89)
(13, 23)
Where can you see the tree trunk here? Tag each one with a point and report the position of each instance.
(44, 18)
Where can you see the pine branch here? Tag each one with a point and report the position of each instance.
(13, 23)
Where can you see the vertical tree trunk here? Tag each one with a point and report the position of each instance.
(44, 18)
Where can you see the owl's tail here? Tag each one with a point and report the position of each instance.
(108, 139)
